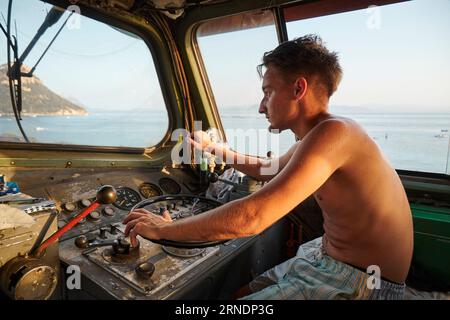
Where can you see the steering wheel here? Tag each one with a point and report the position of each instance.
(191, 205)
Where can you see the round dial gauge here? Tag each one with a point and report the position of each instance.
(169, 186)
(126, 198)
(149, 190)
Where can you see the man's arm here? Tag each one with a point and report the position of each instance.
(321, 153)
(324, 150)
(260, 169)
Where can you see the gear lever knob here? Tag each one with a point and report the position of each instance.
(106, 194)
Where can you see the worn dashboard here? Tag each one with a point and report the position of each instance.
(151, 270)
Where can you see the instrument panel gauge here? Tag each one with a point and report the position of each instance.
(127, 198)
(149, 190)
(169, 186)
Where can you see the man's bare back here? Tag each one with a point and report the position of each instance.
(367, 219)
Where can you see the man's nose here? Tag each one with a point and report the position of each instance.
(262, 106)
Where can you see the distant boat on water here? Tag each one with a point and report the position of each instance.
(443, 134)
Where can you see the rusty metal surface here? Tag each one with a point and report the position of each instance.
(167, 267)
(39, 276)
(102, 277)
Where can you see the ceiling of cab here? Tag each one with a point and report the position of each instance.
(171, 8)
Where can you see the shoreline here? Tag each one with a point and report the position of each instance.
(33, 115)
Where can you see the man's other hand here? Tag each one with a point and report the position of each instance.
(200, 140)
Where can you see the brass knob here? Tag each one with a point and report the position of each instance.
(145, 270)
(106, 194)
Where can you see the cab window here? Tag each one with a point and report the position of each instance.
(230, 49)
(96, 85)
(396, 63)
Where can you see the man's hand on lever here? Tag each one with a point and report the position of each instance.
(144, 223)
(200, 140)
(246, 164)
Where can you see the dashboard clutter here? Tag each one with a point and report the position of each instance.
(226, 184)
(8, 187)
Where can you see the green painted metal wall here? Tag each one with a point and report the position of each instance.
(432, 240)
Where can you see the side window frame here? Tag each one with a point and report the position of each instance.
(204, 74)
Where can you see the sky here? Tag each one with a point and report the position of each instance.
(89, 63)
(395, 58)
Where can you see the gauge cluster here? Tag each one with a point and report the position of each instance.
(127, 198)
(169, 186)
(150, 190)
(165, 185)
(128, 195)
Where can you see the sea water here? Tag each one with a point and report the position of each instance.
(413, 141)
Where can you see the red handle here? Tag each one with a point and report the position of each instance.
(69, 225)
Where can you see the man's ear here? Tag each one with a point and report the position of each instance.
(300, 87)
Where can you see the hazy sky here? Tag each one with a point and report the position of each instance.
(94, 65)
(396, 55)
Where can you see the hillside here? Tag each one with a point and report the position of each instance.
(37, 98)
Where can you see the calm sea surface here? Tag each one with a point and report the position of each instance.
(411, 141)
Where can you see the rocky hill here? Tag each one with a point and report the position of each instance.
(37, 98)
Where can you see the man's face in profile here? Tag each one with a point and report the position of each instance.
(277, 103)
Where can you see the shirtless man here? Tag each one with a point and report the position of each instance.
(367, 219)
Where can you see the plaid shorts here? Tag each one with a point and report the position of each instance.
(312, 274)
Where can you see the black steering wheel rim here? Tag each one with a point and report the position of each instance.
(181, 244)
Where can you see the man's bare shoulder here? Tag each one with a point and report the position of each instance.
(333, 129)
(333, 140)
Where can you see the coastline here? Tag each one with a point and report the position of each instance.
(53, 114)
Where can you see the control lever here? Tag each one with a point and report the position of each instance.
(83, 242)
(105, 195)
(119, 245)
(214, 177)
(237, 187)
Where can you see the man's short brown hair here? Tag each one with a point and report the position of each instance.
(307, 56)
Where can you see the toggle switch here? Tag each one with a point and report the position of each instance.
(113, 229)
(103, 233)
